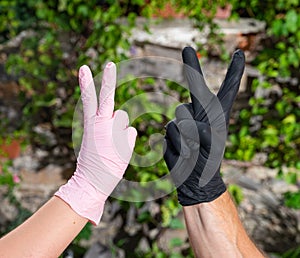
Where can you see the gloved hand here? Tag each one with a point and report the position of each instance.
(106, 147)
(195, 139)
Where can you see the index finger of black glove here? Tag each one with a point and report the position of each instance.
(189, 57)
(200, 94)
(231, 83)
(174, 137)
(170, 154)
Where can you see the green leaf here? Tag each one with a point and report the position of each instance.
(144, 217)
(45, 59)
(290, 177)
(85, 233)
(176, 224)
(291, 20)
(277, 27)
(289, 119)
(236, 193)
(83, 10)
(292, 200)
(293, 253)
(293, 59)
(175, 242)
(42, 12)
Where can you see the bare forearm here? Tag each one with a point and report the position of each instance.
(46, 234)
(215, 230)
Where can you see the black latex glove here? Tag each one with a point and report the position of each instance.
(195, 139)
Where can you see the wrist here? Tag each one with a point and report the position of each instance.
(83, 198)
(192, 194)
(215, 230)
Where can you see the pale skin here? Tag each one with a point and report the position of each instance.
(46, 233)
(215, 230)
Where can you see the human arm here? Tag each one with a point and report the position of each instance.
(45, 234)
(195, 142)
(101, 164)
(215, 230)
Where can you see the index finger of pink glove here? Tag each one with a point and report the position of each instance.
(107, 92)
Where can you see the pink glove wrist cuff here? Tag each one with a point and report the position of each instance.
(83, 198)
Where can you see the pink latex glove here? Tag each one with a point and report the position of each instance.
(106, 147)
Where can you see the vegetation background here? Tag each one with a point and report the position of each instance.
(60, 35)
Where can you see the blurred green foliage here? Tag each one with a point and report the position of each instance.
(7, 180)
(62, 35)
(236, 193)
(57, 37)
(271, 124)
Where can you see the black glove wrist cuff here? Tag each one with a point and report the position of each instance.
(191, 194)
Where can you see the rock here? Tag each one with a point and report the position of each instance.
(272, 226)
(46, 136)
(131, 226)
(153, 233)
(9, 89)
(16, 41)
(8, 212)
(152, 207)
(178, 33)
(167, 38)
(109, 227)
(69, 254)
(143, 245)
(241, 26)
(10, 106)
(25, 163)
(98, 250)
(166, 237)
(37, 187)
(169, 33)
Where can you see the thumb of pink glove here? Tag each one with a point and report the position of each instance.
(106, 147)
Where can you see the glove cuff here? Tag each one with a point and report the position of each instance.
(83, 198)
(194, 194)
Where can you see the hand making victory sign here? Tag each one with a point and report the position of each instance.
(194, 148)
(196, 138)
(100, 166)
(106, 146)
